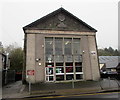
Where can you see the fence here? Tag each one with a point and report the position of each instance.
(8, 76)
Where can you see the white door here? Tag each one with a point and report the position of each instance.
(49, 74)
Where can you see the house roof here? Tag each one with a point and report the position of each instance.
(51, 22)
(109, 61)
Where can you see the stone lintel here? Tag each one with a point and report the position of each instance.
(52, 32)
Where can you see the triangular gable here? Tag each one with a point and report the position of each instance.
(60, 20)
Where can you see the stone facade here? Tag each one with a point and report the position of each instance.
(60, 24)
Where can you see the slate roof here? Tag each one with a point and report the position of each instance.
(110, 61)
(38, 24)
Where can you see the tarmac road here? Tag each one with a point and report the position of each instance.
(95, 96)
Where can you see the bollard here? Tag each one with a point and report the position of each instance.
(109, 81)
(100, 84)
(73, 84)
(29, 87)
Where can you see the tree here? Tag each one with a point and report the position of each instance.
(10, 47)
(111, 50)
(108, 52)
(16, 59)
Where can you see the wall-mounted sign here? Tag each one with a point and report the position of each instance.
(30, 72)
(93, 52)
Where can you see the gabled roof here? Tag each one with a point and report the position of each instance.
(52, 22)
(109, 61)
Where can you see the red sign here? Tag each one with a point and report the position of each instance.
(30, 72)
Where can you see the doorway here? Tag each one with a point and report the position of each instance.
(49, 74)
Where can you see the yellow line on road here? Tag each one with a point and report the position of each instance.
(54, 97)
(71, 95)
(94, 94)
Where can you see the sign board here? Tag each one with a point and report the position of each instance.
(93, 52)
(30, 72)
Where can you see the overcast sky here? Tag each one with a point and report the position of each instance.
(100, 14)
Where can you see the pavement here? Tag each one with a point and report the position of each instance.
(18, 90)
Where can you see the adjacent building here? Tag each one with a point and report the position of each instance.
(3, 61)
(109, 64)
(4, 68)
(60, 47)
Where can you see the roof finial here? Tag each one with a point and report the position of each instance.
(61, 6)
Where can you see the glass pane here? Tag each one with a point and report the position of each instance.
(49, 45)
(69, 64)
(59, 69)
(78, 58)
(50, 78)
(49, 71)
(76, 46)
(78, 64)
(69, 77)
(68, 58)
(79, 76)
(59, 58)
(58, 46)
(47, 78)
(69, 69)
(49, 64)
(49, 58)
(59, 77)
(59, 64)
(68, 46)
(78, 69)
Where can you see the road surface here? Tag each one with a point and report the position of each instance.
(95, 96)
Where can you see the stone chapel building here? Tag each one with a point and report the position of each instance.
(60, 47)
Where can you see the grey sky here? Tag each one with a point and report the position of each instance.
(100, 14)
